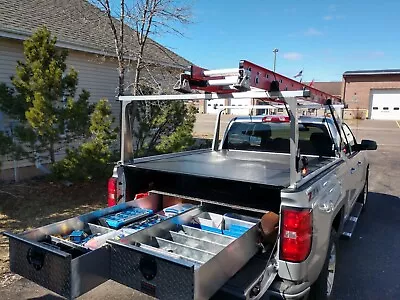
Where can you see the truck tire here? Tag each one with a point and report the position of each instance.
(363, 197)
(323, 287)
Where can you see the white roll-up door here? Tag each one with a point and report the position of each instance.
(239, 104)
(213, 106)
(385, 105)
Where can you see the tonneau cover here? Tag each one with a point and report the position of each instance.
(232, 165)
(245, 166)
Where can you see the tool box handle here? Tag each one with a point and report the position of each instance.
(36, 245)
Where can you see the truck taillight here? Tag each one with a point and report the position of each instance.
(296, 234)
(141, 195)
(112, 191)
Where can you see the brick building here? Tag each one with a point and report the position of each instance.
(374, 94)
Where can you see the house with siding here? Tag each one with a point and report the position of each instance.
(83, 29)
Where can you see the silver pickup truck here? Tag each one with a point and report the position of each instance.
(222, 223)
(250, 171)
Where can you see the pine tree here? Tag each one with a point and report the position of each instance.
(163, 127)
(42, 99)
(90, 160)
(5, 145)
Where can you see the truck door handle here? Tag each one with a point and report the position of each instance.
(352, 170)
(359, 163)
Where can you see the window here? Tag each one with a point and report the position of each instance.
(348, 140)
(344, 144)
(375, 108)
(386, 108)
(396, 108)
(349, 135)
(314, 139)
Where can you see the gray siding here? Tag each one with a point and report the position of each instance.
(98, 75)
(10, 52)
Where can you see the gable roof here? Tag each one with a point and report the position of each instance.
(78, 25)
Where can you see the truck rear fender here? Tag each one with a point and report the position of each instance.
(323, 199)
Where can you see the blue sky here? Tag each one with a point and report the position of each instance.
(325, 38)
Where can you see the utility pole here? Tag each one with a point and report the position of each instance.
(276, 50)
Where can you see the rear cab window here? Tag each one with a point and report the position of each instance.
(314, 138)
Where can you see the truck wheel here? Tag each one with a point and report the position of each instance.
(363, 197)
(323, 287)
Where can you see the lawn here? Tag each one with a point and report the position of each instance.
(36, 203)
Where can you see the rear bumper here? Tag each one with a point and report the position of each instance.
(287, 290)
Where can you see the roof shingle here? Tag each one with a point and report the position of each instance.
(76, 22)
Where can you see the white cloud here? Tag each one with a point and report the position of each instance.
(292, 56)
(328, 18)
(312, 32)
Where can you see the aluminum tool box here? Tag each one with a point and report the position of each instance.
(52, 257)
(170, 250)
(185, 257)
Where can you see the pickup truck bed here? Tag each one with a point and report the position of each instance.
(245, 166)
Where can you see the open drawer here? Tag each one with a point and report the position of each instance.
(65, 271)
(189, 256)
(72, 257)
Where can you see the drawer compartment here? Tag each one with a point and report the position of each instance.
(67, 272)
(71, 257)
(190, 256)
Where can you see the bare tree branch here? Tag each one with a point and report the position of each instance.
(118, 37)
(151, 17)
(147, 18)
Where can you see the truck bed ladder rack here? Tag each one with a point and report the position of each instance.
(248, 76)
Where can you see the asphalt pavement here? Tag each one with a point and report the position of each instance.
(368, 264)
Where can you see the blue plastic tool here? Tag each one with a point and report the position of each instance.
(129, 215)
(77, 236)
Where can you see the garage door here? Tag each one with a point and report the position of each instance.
(385, 105)
(238, 104)
(213, 106)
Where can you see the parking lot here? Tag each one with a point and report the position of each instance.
(368, 264)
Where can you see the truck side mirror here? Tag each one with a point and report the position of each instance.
(367, 145)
